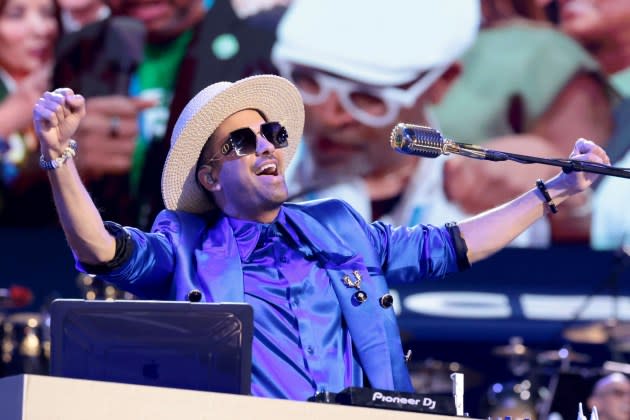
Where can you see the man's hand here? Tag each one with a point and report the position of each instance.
(587, 151)
(56, 117)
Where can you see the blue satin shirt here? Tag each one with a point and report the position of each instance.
(300, 346)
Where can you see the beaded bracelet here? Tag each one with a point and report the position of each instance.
(69, 152)
(548, 201)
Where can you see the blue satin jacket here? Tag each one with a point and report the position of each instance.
(187, 251)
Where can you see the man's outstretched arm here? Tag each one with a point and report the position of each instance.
(490, 231)
(56, 117)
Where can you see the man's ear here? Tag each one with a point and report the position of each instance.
(441, 86)
(207, 179)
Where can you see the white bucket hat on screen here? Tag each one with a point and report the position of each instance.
(383, 43)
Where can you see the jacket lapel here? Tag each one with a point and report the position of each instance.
(366, 327)
(219, 265)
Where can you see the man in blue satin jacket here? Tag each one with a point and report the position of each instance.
(315, 273)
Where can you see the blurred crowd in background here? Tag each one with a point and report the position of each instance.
(532, 77)
(522, 76)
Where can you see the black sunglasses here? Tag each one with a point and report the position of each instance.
(243, 141)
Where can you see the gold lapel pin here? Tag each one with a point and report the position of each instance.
(348, 282)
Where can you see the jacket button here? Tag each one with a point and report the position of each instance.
(386, 300)
(359, 297)
(194, 296)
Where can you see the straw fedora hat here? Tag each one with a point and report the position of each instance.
(275, 97)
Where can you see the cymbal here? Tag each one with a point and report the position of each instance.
(514, 349)
(25, 319)
(612, 366)
(622, 345)
(598, 332)
(562, 354)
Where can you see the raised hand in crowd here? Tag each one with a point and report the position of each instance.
(172, 50)
(16, 108)
(108, 134)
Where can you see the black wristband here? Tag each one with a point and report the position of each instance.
(461, 249)
(548, 201)
(124, 249)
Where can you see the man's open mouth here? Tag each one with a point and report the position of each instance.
(268, 169)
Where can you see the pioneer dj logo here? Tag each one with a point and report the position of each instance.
(425, 402)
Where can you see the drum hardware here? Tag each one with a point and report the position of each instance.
(25, 344)
(432, 376)
(613, 332)
(519, 356)
(564, 356)
(539, 372)
(95, 289)
(565, 353)
(516, 348)
(612, 366)
(534, 396)
(599, 332)
(8, 345)
(514, 399)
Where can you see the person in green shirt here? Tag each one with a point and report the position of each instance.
(138, 69)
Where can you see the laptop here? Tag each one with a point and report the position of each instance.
(199, 346)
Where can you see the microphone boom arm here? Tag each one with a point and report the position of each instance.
(473, 151)
(567, 165)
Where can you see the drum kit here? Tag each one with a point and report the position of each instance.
(432, 376)
(25, 336)
(537, 377)
(95, 289)
(25, 343)
(535, 374)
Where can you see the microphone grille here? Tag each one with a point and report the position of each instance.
(416, 139)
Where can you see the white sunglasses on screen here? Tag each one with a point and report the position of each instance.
(375, 106)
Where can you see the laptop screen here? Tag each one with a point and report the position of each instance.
(200, 346)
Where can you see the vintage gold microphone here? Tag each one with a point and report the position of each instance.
(428, 142)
